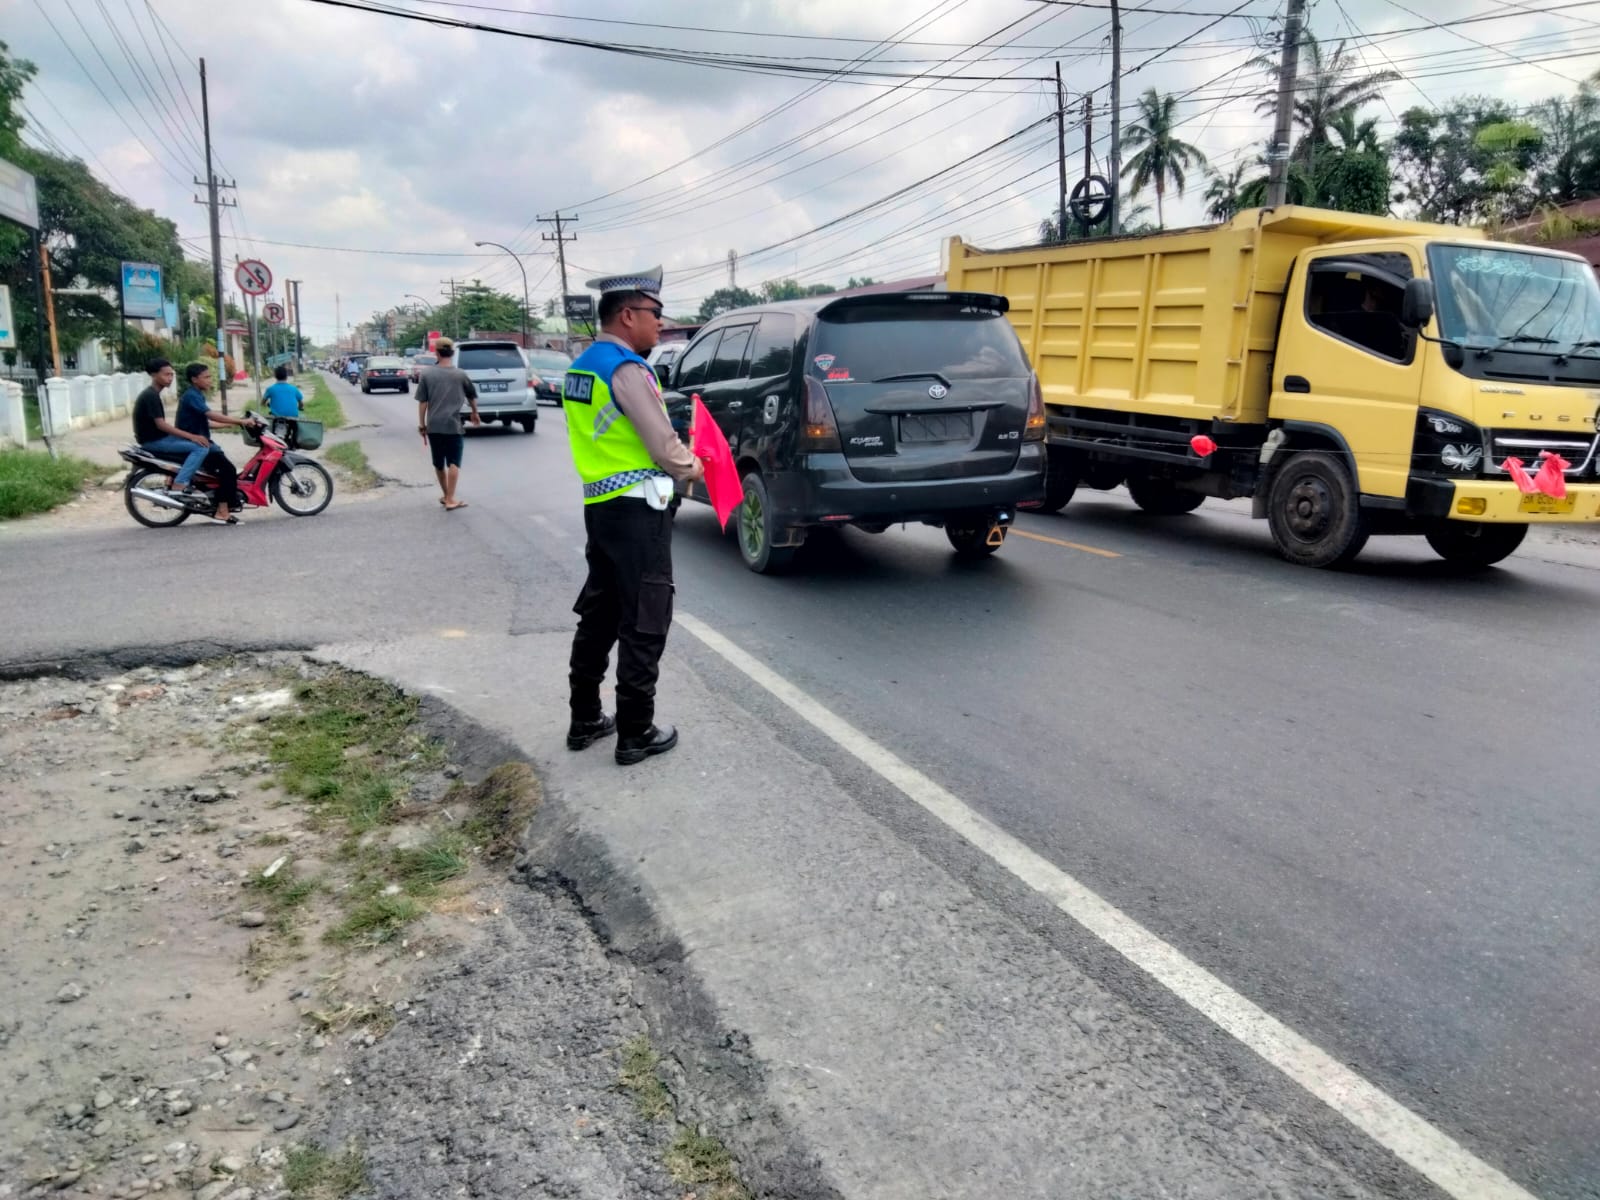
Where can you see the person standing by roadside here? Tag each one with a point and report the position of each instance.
(195, 417)
(627, 456)
(155, 433)
(442, 390)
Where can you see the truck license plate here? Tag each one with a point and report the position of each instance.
(1539, 503)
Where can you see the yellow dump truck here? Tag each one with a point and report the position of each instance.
(1357, 375)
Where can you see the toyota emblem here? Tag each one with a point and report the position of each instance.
(938, 391)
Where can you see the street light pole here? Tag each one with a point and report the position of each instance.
(419, 300)
(525, 340)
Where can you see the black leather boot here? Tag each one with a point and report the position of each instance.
(583, 734)
(658, 739)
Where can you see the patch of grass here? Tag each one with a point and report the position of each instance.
(375, 921)
(311, 1173)
(441, 858)
(283, 891)
(33, 482)
(377, 1018)
(321, 404)
(353, 459)
(638, 1076)
(696, 1158)
(501, 807)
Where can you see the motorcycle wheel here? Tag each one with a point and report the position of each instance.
(156, 516)
(308, 493)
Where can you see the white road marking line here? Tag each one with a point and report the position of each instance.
(1429, 1151)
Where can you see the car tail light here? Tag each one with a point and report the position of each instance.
(819, 431)
(1035, 428)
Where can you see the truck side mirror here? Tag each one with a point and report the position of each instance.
(1416, 308)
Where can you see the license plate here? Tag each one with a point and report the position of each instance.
(493, 387)
(935, 427)
(1538, 503)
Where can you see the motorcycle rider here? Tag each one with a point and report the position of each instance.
(196, 417)
(155, 433)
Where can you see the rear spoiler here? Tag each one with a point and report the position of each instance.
(985, 300)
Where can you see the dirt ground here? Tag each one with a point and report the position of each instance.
(172, 1020)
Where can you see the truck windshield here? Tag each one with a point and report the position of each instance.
(1490, 297)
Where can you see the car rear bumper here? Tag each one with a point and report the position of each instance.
(1496, 502)
(823, 487)
(393, 385)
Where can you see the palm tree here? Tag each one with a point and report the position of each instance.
(1160, 158)
(1222, 194)
(1329, 86)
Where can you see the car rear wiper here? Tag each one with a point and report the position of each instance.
(910, 375)
(1486, 351)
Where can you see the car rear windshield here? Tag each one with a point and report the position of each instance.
(383, 364)
(488, 358)
(550, 360)
(425, 359)
(868, 342)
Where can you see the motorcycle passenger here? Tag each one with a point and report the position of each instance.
(196, 417)
(155, 433)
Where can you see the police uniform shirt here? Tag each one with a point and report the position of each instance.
(636, 395)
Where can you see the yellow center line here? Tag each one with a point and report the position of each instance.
(1039, 537)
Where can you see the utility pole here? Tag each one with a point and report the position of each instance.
(1061, 157)
(1116, 119)
(299, 343)
(213, 185)
(456, 312)
(733, 269)
(561, 240)
(1278, 177)
(49, 310)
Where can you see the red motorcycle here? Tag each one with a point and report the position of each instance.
(297, 484)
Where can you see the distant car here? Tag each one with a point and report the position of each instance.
(662, 358)
(504, 381)
(385, 373)
(419, 362)
(546, 371)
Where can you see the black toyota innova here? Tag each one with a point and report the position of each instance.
(870, 410)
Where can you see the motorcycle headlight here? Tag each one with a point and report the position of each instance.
(1446, 444)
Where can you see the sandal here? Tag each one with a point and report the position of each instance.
(228, 520)
(456, 505)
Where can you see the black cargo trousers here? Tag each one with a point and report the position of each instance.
(626, 602)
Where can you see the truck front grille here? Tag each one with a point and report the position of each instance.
(1528, 444)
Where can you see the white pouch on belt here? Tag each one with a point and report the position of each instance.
(658, 491)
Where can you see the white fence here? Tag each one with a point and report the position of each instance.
(71, 402)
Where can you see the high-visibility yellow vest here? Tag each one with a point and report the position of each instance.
(607, 450)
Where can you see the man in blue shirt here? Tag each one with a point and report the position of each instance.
(283, 398)
(195, 417)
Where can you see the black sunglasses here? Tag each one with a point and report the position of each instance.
(657, 313)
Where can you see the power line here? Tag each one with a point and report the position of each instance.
(1466, 38)
(188, 123)
(176, 129)
(159, 161)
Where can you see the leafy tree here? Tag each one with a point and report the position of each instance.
(1329, 90)
(864, 281)
(1570, 140)
(1442, 169)
(1160, 159)
(1222, 193)
(726, 300)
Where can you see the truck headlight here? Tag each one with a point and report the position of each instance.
(1462, 458)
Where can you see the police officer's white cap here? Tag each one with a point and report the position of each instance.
(648, 282)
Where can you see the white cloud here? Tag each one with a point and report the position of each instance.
(356, 130)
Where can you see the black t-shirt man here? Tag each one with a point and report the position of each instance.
(147, 410)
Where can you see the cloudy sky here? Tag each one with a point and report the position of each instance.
(350, 132)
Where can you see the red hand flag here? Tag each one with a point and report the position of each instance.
(1513, 468)
(1550, 479)
(707, 443)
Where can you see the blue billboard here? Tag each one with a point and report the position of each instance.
(141, 291)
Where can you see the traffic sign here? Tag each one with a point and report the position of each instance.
(253, 277)
(273, 313)
(578, 307)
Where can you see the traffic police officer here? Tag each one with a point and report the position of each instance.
(627, 455)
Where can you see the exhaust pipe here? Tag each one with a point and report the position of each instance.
(161, 498)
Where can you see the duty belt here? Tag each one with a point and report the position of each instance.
(619, 481)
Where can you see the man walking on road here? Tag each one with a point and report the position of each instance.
(441, 391)
(627, 456)
(155, 433)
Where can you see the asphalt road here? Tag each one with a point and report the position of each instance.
(1365, 800)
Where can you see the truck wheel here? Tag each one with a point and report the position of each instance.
(1315, 511)
(1161, 498)
(1472, 545)
(1060, 480)
(756, 530)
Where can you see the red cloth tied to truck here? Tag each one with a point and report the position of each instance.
(706, 442)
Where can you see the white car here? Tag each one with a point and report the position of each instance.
(505, 382)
